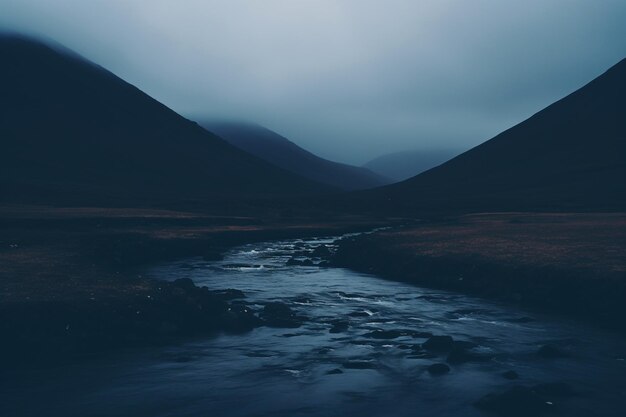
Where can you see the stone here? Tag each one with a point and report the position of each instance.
(551, 352)
(516, 401)
(358, 314)
(228, 294)
(438, 369)
(278, 314)
(339, 326)
(510, 375)
(438, 343)
(460, 354)
(359, 365)
(321, 251)
(184, 283)
(239, 318)
(384, 334)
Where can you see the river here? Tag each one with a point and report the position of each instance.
(355, 369)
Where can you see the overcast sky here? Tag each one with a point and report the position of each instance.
(347, 79)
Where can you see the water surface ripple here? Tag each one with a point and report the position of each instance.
(340, 362)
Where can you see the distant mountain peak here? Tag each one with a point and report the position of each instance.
(569, 156)
(406, 164)
(280, 151)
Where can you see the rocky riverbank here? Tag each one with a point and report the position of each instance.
(573, 264)
(71, 281)
(154, 313)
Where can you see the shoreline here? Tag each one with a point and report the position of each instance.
(435, 255)
(72, 288)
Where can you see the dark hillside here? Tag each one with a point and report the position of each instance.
(569, 156)
(72, 132)
(283, 153)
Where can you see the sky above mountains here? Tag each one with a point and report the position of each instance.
(346, 79)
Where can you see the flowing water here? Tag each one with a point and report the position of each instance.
(351, 370)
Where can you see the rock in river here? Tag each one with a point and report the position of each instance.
(321, 251)
(462, 354)
(385, 334)
(439, 343)
(184, 283)
(510, 374)
(339, 326)
(551, 352)
(359, 365)
(516, 401)
(278, 314)
(296, 262)
(438, 369)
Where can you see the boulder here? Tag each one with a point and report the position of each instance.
(339, 326)
(321, 251)
(228, 294)
(296, 262)
(359, 365)
(551, 352)
(510, 375)
(184, 283)
(293, 262)
(438, 369)
(278, 314)
(358, 314)
(385, 334)
(516, 401)
(239, 318)
(438, 343)
(460, 354)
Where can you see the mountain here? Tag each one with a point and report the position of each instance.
(402, 165)
(72, 132)
(283, 153)
(569, 156)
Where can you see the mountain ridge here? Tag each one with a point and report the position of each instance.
(70, 128)
(569, 155)
(280, 151)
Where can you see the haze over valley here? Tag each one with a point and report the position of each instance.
(313, 208)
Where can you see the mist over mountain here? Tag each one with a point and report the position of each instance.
(569, 156)
(350, 81)
(194, 265)
(400, 166)
(70, 131)
(280, 151)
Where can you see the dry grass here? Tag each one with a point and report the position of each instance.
(58, 254)
(590, 241)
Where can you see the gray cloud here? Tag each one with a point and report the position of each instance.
(348, 79)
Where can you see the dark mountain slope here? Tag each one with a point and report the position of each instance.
(71, 131)
(571, 155)
(281, 152)
(400, 166)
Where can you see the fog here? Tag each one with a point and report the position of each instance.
(347, 79)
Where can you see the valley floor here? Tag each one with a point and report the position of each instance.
(71, 281)
(567, 263)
